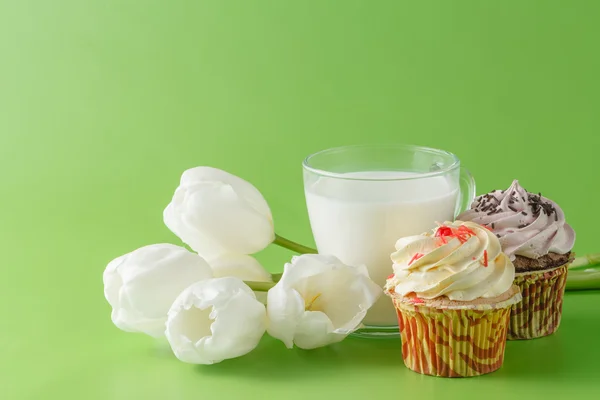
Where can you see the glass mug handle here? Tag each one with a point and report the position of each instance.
(466, 193)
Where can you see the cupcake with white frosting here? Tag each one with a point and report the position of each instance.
(453, 290)
(533, 232)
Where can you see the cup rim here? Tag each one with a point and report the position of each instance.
(424, 149)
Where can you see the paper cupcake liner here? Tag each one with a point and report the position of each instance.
(540, 311)
(452, 343)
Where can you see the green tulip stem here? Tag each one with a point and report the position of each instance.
(277, 277)
(585, 261)
(296, 247)
(588, 279)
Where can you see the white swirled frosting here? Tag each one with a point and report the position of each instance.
(527, 224)
(461, 260)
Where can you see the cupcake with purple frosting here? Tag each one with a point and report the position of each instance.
(534, 234)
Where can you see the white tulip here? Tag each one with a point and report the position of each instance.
(318, 301)
(214, 320)
(141, 285)
(215, 213)
(247, 268)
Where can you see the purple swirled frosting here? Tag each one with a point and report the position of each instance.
(527, 224)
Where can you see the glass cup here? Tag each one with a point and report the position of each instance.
(362, 199)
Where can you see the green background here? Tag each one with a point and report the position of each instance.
(104, 103)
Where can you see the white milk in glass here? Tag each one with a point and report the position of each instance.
(359, 221)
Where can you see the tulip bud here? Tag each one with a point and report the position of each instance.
(216, 213)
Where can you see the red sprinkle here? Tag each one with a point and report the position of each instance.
(466, 230)
(444, 231)
(487, 227)
(391, 276)
(416, 300)
(415, 258)
(474, 258)
(462, 238)
(485, 258)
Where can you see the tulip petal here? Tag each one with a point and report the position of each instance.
(247, 268)
(344, 296)
(245, 189)
(307, 265)
(218, 209)
(113, 281)
(200, 242)
(315, 330)
(285, 307)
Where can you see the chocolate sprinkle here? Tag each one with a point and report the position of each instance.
(512, 208)
(492, 225)
(523, 212)
(522, 226)
(539, 205)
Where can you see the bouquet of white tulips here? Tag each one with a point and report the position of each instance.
(210, 305)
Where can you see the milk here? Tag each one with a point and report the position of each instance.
(359, 221)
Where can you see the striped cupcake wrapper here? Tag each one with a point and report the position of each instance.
(452, 343)
(540, 311)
